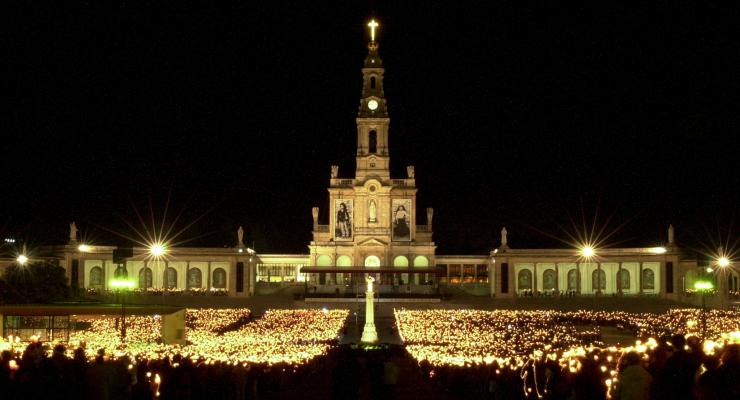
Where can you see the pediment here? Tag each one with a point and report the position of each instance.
(372, 242)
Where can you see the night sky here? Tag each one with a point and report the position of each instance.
(231, 115)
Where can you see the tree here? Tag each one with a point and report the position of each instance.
(35, 283)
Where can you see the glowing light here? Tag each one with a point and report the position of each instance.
(658, 250)
(372, 24)
(157, 249)
(710, 270)
(22, 259)
(85, 248)
(703, 285)
(587, 251)
(723, 262)
(121, 284)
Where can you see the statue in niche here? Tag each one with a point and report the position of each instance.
(372, 211)
(240, 236)
(73, 232)
(504, 239)
(334, 171)
(410, 171)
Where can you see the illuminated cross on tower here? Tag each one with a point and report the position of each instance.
(372, 26)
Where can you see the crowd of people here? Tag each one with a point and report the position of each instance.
(672, 370)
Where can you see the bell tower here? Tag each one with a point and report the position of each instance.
(372, 117)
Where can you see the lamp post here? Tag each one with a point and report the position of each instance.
(703, 287)
(122, 285)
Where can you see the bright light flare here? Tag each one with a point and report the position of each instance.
(122, 284)
(703, 285)
(157, 249)
(85, 248)
(723, 262)
(658, 250)
(587, 251)
(22, 259)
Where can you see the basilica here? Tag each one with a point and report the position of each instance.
(375, 227)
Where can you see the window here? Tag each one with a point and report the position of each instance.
(240, 277)
(524, 280)
(573, 279)
(548, 279)
(75, 274)
(455, 273)
(468, 273)
(195, 278)
(624, 279)
(96, 277)
(648, 279)
(372, 82)
(372, 142)
(482, 273)
(145, 278)
(504, 277)
(219, 278)
(668, 277)
(170, 278)
(598, 280)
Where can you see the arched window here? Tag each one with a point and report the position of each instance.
(323, 261)
(524, 280)
(96, 277)
(624, 279)
(170, 278)
(145, 278)
(401, 262)
(120, 272)
(372, 82)
(548, 279)
(372, 142)
(219, 278)
(598, 279)
(372, 261)
(195, 279)
(421, 261)
(344, 261)
(648, 279)
(573, 279)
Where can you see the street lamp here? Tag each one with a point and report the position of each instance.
(22, 259)
(703, 287)
(122, 284)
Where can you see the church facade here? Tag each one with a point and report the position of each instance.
(375, 226)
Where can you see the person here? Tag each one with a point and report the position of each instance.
(343, 222)
(634, 381)
(400, 224)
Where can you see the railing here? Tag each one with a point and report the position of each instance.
(372, 231)
(399, 182)
(342, 182)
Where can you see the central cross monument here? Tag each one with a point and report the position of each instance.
(369, 334)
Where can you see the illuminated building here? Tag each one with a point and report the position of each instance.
(374, 225)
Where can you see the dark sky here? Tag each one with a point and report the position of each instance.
(517, 116)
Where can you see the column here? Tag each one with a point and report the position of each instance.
(187, 275)
(598, 276)
(619, 279)
(252, 276)
(639, 278)
(534, 279)
(209, 276)
(578, 275)
(492, 278)
(557, 279)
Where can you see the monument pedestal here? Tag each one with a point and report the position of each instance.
(369, 334)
